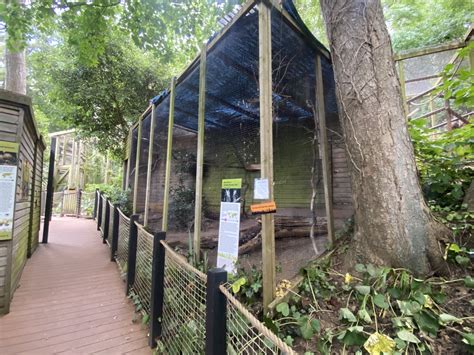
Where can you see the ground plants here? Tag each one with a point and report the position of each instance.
(379, 309)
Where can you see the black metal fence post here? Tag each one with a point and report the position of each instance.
(49, 192)
(132, 253)
(216, 313)
(99, 212)
(115, 233)
(157, 287)
(106, 222)
(96, 203)
(78, 202)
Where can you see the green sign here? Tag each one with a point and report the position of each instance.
(232, 183)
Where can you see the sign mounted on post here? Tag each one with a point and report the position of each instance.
(8, 172)
(261, 189)
(229, 224)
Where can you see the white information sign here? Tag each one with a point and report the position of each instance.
(7, 200)
(261, 189)
(229, 231)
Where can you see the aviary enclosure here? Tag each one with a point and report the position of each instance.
(259, 101)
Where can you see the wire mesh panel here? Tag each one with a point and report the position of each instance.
(87, 203)
(142, 166)
(142, 284)
(102, 221)
(57, 202)
(122, 245)
(246, 334)
(111, 223)
(184, 308)
(157, 182)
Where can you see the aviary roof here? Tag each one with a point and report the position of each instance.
(232, 73)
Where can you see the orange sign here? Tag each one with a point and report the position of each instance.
(261, 208)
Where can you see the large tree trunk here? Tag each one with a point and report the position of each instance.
(15, 71)
(394, 226)
(15, 68)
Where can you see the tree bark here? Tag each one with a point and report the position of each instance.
(15, 68)
(15, 72)
(394, 226)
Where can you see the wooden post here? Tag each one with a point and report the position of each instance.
(70, 177)
(325, 158)
(449, 120)
(106, 215)
(200, 155)
(169, 151)
(266, 147)
(151, 142)
(401, 77)
(137, 165)
(129, 154)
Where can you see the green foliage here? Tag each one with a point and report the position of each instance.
(103, 99)
(378, 308)
(458, 83)
(416, 24)
(116, 195)
(443, 161)
(247, 285)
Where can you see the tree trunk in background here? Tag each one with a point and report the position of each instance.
(15, 69)
(394, 226)
(15, 72)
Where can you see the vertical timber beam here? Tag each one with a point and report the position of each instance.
(151, 142)
(137, 166)
(169, 151)
(129, 155)
(200, 155)
(70, 177)
(401, 77)
(266, 147)
(325, 158)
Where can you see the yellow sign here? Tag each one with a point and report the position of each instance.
(232, 183)
(9, 147)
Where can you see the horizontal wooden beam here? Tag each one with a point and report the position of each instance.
(429, 50)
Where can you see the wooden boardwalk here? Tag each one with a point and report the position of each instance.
(71, 299)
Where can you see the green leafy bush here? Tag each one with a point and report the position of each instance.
(445, 162)
(117, 196)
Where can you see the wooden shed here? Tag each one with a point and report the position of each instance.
(21, 170)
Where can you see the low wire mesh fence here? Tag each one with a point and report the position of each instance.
(246, 334)
(142, 283)
(183, 317)
(184, 306)
(122, 244)
(87, 203)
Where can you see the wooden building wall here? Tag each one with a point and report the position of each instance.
(17, 125)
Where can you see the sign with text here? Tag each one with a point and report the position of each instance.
(261, 189)
(262, 208)
(8, 172)
(229, 225)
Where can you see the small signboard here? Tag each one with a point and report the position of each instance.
(229, 225)
(8, 172)
(262, 208)
(261, 189)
